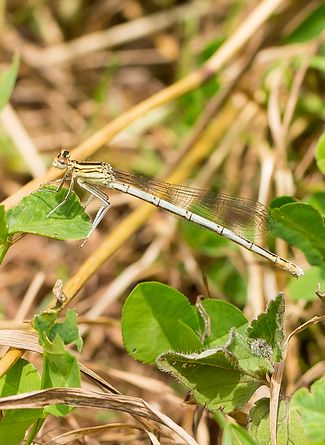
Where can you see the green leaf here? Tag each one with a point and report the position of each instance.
(305, 288)
(22, 377)
(317, 200)
(157, 318)
(31, 216)
(4, 244)
(254, 356)
(3, 225)
(7, 81)
(302, 226)
(282, 200)
(310, 28)
(311, 405)
(320, 153)
(213, 376)
(267, 329)
(43, 324)
(60, 370)
(235, 434)
(60, 367)
(15, 423)
(68, 330)
(289, 430)
(48, 329)
(223, 317)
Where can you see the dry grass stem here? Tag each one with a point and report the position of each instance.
(66, 53)
(30, 296)
(24, 144)
(81, 398)
(85, 432)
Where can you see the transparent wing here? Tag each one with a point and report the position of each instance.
(245, 217)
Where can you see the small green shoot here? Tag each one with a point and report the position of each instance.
(60, 367)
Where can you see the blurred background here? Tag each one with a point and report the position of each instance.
(258, 120)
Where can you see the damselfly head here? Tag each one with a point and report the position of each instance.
(62, 160)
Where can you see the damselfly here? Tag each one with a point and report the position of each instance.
(233, 218)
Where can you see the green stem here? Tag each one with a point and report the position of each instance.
(34, 431)
(3, 250)
(220, 419)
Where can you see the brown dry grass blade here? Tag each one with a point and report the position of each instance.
(81, 433)
(82, 398)
(79, 398)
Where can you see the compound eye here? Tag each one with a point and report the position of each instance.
(63, 157)
(65, 154)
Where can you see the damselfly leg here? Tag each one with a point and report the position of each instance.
(103, 198)
(94, 192)
(66, 196)
(60, 181)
